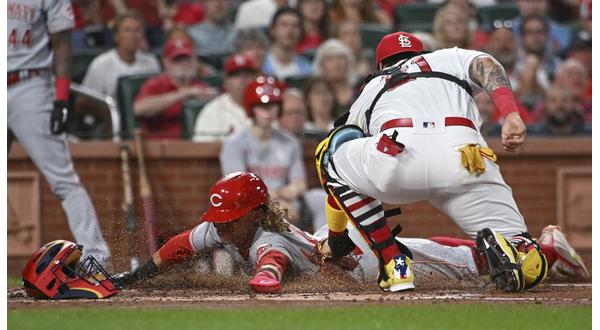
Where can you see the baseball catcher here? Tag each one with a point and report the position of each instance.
(413, 135)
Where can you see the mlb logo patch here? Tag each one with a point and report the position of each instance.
(428, 124)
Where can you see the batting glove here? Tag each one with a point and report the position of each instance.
(59, 117)
(265, 282)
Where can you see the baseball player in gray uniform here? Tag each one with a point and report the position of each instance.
(39, 41)
(243, 220)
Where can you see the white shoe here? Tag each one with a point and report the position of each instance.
(569, 263)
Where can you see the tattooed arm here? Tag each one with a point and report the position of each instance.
(487, 73)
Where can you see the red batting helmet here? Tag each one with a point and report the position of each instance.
(396, 43)
(55, 272)
(263, 90)
(234, 196)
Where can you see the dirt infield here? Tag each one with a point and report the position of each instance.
(190, 292)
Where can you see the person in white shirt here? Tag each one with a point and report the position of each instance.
(126, 59)
(225, 114)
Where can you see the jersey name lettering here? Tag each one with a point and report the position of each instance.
(21, 12)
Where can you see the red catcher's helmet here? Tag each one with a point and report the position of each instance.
(55, 272)
(234, 196)
(396, 43)
(263, 90)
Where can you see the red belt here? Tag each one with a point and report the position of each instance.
(16, 76)
(407, 122)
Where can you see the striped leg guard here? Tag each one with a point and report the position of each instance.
(367, 215)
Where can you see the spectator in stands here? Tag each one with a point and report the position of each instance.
(293, 120)
(536, 64)
(125, 59)
(150, 11)
(160, 102)
(349, 34)
(572, 76)
(501, 45)
(215, 34)
(293, 112)
(104, 72)
(225, 114)
(90, 30)
(559, 36)
(257, 14)
(359, 12)
(451, 28)
(272, 154)
(585, 19)
(181, 14)
(281, 60)
(321, 104)
(315, 22)
(254, 43)
(581, 51)
(335, 63)
(561, 115)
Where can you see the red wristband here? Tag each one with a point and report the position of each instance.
(61, 88)
(504, 100)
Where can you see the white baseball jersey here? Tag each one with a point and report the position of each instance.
(429, 166)
(422, 98)
(30, 23)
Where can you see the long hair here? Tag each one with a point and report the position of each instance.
(440, 20)
(367, 11)
(274, 218)
(308, 88)
(324, 28)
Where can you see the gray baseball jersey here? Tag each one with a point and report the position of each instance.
(30, 23)
(278, 161)
(296, 245)
(431, 259)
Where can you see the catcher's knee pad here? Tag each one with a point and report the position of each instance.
(533, 262)
(330, 144)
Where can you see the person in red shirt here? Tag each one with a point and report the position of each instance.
(160, 101)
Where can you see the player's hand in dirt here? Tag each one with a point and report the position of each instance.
(513, 132)
(265, 282)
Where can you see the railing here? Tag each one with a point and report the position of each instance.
(110, 103)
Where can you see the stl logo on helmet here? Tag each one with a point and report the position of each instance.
(404, 41)
(216, 200)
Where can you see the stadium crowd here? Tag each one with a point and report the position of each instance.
(197, 57)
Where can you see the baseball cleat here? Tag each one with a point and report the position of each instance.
(503, 260)
(568, 263)
(399, 275)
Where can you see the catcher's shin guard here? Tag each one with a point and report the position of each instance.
(503, 261)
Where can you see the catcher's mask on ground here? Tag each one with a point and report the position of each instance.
(397, 43)
(56, 272)
(263, 90)
(234, 196)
